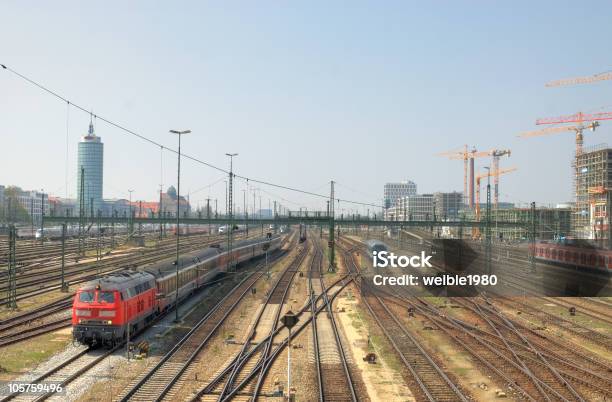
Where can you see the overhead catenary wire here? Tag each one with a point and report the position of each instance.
(193, 158)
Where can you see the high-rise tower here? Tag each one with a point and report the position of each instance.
(91, 163)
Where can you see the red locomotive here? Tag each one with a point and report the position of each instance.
(574, 254)
(104, 308)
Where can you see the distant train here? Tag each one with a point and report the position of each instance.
(103, 309)
(55, 233)
(376, 245)
(574, 254)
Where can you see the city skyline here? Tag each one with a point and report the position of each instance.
(378, 116)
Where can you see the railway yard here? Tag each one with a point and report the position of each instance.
(350, 342)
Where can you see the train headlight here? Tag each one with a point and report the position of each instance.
(109, 322)
(80, 321)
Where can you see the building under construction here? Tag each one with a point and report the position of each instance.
(593, 178)
(551, 223)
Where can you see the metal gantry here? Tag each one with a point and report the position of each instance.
(230, 210)
(532, 237)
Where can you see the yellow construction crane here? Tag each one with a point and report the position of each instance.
(466, 155)
(555, 130)
(580, 80)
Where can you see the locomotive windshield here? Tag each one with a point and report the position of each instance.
(86, 297)
(106, 297)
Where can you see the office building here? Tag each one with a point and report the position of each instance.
(417, 207)
(448, 205)
(395, 191)
(90, 172)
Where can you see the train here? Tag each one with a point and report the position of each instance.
(376, 245)
(55, 233)
(105, 310)
(575, 254)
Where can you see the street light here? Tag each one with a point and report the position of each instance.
(178, 218)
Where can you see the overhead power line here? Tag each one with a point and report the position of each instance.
(157, 144)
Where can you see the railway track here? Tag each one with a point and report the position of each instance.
(64, 373)
(156, 383)
(51, 262)
(427, 378)
(570, 373)
(37, 255)
(548, 319)
(251, 374)
(246, 366)
(42, 320)
(535, 366)
(334, 378)
(585, 307)
(45, 260)
(84, 360)
(47, 318)
(80, 274)
(223, 384)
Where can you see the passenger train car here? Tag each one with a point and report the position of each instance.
(574, 254)
(103, 309)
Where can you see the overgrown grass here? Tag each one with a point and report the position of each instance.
(21, 357)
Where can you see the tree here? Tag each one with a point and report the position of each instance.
(16, 213)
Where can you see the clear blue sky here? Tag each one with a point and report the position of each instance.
(305, 92)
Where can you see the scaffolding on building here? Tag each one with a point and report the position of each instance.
(592, 180)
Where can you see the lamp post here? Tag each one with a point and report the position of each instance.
(178, 219)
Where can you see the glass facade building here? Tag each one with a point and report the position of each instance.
(91, 164)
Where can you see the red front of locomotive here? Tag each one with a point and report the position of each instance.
(98, 316)
(103, 309)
